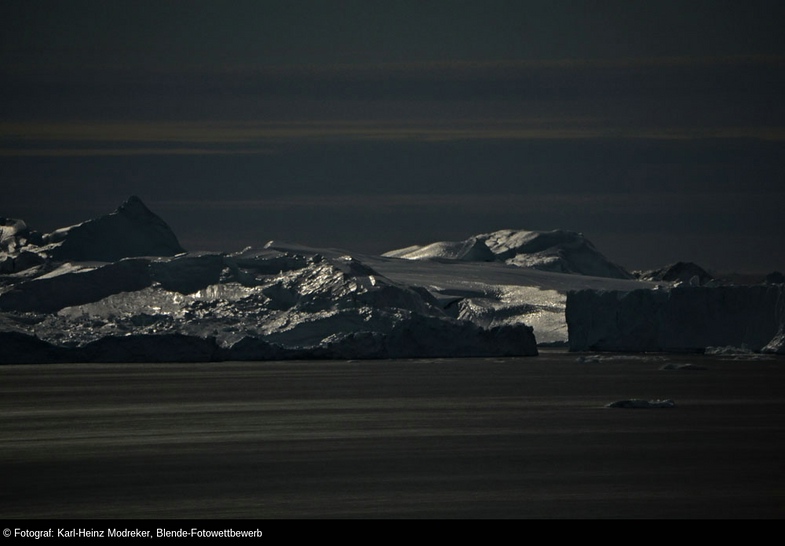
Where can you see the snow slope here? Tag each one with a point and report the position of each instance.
(557, 251)
(494, 293)
(680, 272)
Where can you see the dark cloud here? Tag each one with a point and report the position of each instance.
(650, 91)
(374, 196)
(281, 32)
(372, 125)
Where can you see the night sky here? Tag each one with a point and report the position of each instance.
(656, 128)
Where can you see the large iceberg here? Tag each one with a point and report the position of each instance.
(679, 319)
(119, 288)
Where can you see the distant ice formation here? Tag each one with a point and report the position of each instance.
(557, 251)
(635, 403)
(680, 272)
(131, 230)
(120, 288)
(682, 367)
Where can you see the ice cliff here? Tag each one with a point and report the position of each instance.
(679, 319)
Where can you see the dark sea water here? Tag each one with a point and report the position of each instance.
(453, 438)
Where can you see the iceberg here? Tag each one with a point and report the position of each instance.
(677, 319)
(558, 251)
(777, 344)
(121, 288)
(680, 272)
(131, 230)
(635, 403)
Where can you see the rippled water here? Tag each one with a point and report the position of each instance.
(434, 438)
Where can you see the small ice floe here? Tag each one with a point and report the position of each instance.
(737, 353)
(728, 350)
(641, 404)
(687, 366)
(594, 359)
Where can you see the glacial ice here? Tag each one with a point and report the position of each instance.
(680, 272)
(256, 304)
(777, 344)
(678, 319)
(132, 230)
(120, 288)
(558, 251)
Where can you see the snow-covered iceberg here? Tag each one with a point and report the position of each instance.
(557, 251)
(320, 308)
(131, 230)
(152, 302)
(680, 272)
(121, 288)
